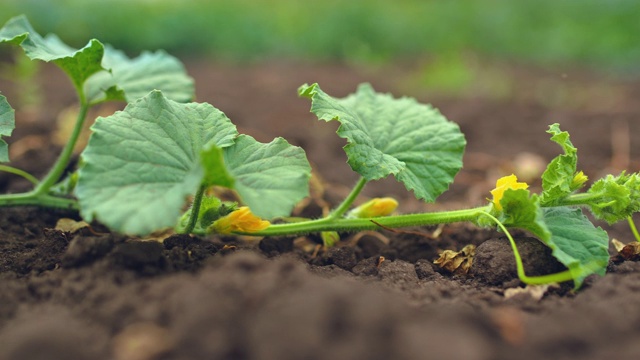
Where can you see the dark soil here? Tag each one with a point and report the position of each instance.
(97, 295)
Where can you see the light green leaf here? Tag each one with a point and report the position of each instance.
(7, 124)
(557, 179)
(130, 79)
(615, 198)
(142, 163)
(412, 141)
(270, 178)
(522, 210)
(577, 243)
(215, 171)
(78, 64)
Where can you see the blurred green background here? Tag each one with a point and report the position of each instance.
(600, 34)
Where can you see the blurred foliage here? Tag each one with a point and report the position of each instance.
(597, 33)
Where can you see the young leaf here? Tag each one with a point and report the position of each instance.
(7, 124)
(270, 178)
(577, 243)
(130, 79)
(615, 198)
(412, 141)
(142, 163)
(557, 179)
(522, 210)
(78, 64)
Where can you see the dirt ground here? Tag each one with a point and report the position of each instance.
(98, 295)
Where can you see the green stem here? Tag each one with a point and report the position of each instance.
(19, 172)
(582, 199)
(195, 210)
(63, 160)
(350, 225)
(634, 230)
(346, 203)
(530, 280)
(33, 199)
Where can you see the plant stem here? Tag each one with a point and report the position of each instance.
(530, 280)
(634, 230)
(582, 199)
(195, 210)
(19, 172)
(346, 203)
(63, 160)
(44, 200)
(329, 224)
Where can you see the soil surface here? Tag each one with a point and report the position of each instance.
(92, 294)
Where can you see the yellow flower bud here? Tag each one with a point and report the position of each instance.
(578, 180)
(374, 208)
(504, 183)
(240, 220)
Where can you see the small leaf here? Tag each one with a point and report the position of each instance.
(412, 141)
(576, 242)
(270, 178)
(522, 210)
(457, 262)
(215, 171)
(130, 79)
(7, 124)
(142, 163)
(558, 178)
(78, 64)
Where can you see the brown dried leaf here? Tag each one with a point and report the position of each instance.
(630, 251)
(70, 226)
(537, 292)
(457, 262)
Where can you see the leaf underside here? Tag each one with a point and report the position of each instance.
(388, 136)
(7, 124)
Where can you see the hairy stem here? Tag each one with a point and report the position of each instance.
(65, 156)
(634, 230)
(346, 203)
(350, 225)
(195, 210)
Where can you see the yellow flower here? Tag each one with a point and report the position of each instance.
(240, 220)
(374, 208)
(578, 180)
(504, 183)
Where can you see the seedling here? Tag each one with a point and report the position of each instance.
(143, 163)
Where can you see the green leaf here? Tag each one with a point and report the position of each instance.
(577, 243)
(142, 163)
(130, 79)
(78, 64)
(7, 124)
(557, 179)
(615, 198)
(522, 210)
(270, 178)
(412, 141)
(215, 171)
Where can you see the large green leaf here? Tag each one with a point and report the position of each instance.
(78, 64)
(142, 163)
(7, 124)
(576, 242)
(270, 178)
(412, 141)
(130, 79)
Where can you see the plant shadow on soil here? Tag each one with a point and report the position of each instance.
(93, 294)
